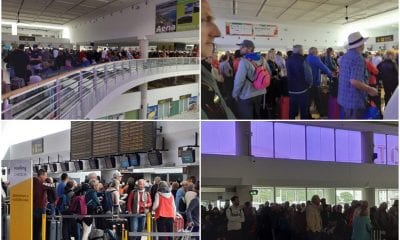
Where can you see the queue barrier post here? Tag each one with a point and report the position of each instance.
(148, 218)
(44, 217)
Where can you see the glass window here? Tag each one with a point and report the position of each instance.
(380, 196)
(320, 144)
(290, 141)
(327, 193)
(344, 196)
(348, 146)
(393, 194)
(264, 194)
(218, 138)
(292, 195)
(380, 148)
(262, 141)
(392, 150)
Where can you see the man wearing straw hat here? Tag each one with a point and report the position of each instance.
(353, 87)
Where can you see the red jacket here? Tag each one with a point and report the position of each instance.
(136, 198)
(372, 71)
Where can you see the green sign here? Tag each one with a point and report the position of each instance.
(187, 15)
(253, 192)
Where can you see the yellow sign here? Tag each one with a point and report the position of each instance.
(21, 199)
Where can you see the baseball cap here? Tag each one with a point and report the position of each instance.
(246, 43)
(117, 174)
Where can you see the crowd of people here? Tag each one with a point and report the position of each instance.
(173, 205)
(314, 220)
(352, 88)
(24, 66)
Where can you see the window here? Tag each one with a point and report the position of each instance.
(392, 146)
(320, 144)
(327, 193)
(289, 141)
(183, 104)
(264, 194)
(262, 141)
(218, 138)
(393, 194)
(292, 195)
(380, 148)
(348, 146)
(380, 196)
(164, 110)
(347, 195)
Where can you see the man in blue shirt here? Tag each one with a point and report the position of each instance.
(61, 185)
(353, 85)
(316, 67)
(299, 82)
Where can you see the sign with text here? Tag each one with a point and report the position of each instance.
(187, 15)
(239, 29)
(388, 38)
(27, 38)
(166, 17)
(264, 30)
(20, 199)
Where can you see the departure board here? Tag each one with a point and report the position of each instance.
(81, 140)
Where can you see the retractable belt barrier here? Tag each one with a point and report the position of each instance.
(125, 234)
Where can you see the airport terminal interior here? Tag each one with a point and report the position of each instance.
(275, 26)
(78, 59)
(280, 166)
(166, 151)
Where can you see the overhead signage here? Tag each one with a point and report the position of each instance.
(388, 38)
(251, 30)
(166, 17)
(253, 192)
(37, 146)
(27, 38)
(187, 15)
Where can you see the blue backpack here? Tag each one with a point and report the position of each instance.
(62, 204)
(107, 202)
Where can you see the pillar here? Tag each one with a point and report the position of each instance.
(243, 192)
(144, 46)
(143, 101)
(369, 195)
(367, 147)
(77, 46)
(14, 29)
(243, 131)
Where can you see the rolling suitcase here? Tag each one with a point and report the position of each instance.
(333, 108)
(179, 224)
(284, 103)
(54, 230)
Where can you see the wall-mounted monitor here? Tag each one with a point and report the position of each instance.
(134, 160)
(94, 163)
(78, 165)
(188, 156)
(124, 161)
(155, 158)
(110, 162)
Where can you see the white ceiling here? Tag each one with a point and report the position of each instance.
(317, 11)
(63, 11)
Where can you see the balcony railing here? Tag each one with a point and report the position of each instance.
(72, 95)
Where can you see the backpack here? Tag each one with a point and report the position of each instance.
(78, 205)
(182, 205)
(262, 78)
(62, 203)
(107, 202)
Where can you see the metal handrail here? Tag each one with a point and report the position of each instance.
(72, 95)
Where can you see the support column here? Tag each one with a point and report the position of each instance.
(367, 147)
(243, 130)
(77, 46)
(143, 101)
(14, 29)
(243, 192)
(369, 195)
(144, 46)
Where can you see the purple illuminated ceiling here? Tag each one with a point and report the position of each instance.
(218, 138)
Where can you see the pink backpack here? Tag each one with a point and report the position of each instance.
(261, 78)
(78, 205)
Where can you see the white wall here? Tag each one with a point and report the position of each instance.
(131, 101)
(130, 23)
(272, 172)
(54, 144)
